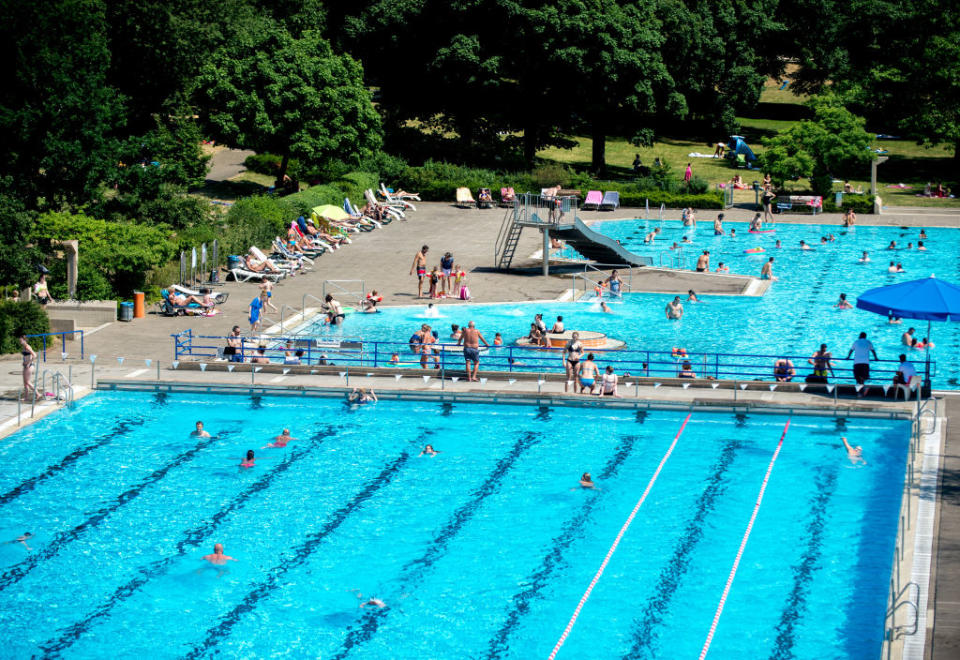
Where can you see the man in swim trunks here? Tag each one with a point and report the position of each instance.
(588, 375)
(470, 339)
(557, 328)
(822, 366)
(199, 432)
(865, 259)
(217, 558)
(783, 370)
(703, 262)
(420, 266)
(861, 350)
(674, 309)
(766, 273)
(571, 363)
(22, 540)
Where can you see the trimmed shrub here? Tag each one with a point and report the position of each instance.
(19, 318)
(91, 283)
(254, 221)
(861, 204)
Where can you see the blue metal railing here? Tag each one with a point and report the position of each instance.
(354, 352)
(63, 339)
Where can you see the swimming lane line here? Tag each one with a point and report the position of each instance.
(743, 544)
(616, 542)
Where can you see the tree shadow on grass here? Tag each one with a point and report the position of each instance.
(228, 190)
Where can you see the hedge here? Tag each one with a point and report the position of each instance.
(861, 204)
(19, 318)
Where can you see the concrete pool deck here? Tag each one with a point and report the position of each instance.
(382, 260)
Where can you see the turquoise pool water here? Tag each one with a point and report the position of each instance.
(481, 551)
(794, 317)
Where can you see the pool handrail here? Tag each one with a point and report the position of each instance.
(63, 338)
(355, 351)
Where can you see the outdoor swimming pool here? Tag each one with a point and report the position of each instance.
(481, 551)
(793, 317)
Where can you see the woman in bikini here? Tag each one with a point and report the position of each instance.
(29, 357)
(571, 362)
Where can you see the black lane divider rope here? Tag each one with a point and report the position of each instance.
(19, 571)
(192, 539)
(121, 429)
(645, 626)
(570, 532)
(826, 484)
(414, 570)
(300, 555)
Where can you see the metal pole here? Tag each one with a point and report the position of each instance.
(93, 372)
(158, 371)
(348, 374)
(546, 251)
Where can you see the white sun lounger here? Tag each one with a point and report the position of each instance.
(244, 275)
(217, 296)
(372, 200)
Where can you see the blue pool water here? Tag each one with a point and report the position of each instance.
(481, 551)
(793, 317)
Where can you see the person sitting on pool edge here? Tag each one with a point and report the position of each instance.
(608, 383)
(783, 370)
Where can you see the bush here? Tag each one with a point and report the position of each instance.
(269, 164)
(91, 283)
(19, 318)
(696, 186)
(254, 221)
(671, 200)
(390, 169)
(861, 204)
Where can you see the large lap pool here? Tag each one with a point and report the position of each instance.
(481, 551)
(794, 317)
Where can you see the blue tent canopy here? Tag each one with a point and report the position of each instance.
(929, 299)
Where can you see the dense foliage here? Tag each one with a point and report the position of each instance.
(21, 318)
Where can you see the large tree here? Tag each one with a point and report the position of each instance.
(57, 114)
(272, 92)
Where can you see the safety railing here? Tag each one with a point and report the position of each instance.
(63, 340)
(643, 363)
(341, 287)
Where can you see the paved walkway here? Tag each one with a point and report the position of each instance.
(227, 163)
(944, 638)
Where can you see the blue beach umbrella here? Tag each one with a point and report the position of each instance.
(928, 299)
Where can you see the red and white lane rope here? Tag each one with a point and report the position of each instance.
(616, 542)
(743, 544)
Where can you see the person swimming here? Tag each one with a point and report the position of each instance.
(280, 441)
(217, 557)
(855, 454)
(431, 311)
(865, 259)
(360, 395)
(804, 246)
(429, 451)
(198, 431)
(692, 296)
(843, 303)
(22, 540)
(892, 246)
(249, 461)
(605, 308)
(586, 481)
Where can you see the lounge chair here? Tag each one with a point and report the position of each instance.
(393, 200)
(276, 265)
(392, 210)
(484, 203)
(464, 198)
(507, 196)
(356, 215)
(168, 308)
(241, 274)
(912, 386)
(218, 297)
(388, 192)
(611, 201)
(283, 252)
(593, 200)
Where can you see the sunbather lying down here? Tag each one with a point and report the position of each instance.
(180, 300)
(258, 266)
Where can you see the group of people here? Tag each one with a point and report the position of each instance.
(583, 373)
(445, 280)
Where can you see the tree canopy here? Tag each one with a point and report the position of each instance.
(291, 96)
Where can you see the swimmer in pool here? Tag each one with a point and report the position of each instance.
(733, 233)
(865, 259)
(923, 235)
(692, 296)
(910, 246)
(429, 451)
(199, 432)
(892, 246)
(843, 303)
(360, 395)
(921, 247)
(395, 358)
(368, 602)
(22, 540)
(900, 268)
(586, 481)
(217, 558)
(894, 320)
(605, 308)
(855, 454)
(892, 268)
(722, 269)
(804, 246)
(249, 461)
(281, 440)
(766, 273)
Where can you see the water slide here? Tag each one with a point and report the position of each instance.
(597, 247)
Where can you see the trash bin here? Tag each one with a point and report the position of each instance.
(234, 261)
(126, 311)
(138, 311)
